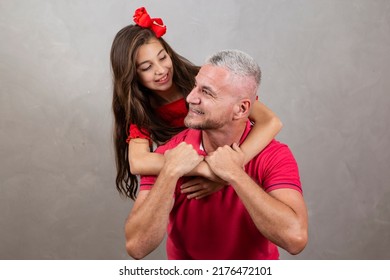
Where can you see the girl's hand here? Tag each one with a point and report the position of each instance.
(200, 187)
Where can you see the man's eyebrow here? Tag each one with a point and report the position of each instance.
(210, 90)
(207, 88)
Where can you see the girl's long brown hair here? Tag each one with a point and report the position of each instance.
(131, 102)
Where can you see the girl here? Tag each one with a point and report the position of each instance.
(150, 84)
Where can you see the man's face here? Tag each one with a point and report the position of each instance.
(211, 100)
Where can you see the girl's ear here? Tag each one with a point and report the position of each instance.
(242, 109)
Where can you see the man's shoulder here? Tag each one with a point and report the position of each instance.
(275, 144)
(275, 148)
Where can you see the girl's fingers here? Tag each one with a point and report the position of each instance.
(190, 183)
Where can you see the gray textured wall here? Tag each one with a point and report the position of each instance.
(326, 73)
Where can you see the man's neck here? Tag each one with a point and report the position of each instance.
(212, 139)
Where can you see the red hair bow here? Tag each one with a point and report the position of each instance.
(142, 18)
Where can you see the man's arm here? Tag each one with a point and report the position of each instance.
(280, 215)
(147, 222)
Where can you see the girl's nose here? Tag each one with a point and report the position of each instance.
(159, 69)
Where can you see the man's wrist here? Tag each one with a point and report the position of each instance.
(235, 176)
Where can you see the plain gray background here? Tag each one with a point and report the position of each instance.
(326, 73)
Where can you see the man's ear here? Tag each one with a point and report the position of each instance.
(242, 109)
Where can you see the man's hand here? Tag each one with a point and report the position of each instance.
(226, 161)
(181, 159)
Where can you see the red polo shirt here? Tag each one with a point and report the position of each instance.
(219, 226)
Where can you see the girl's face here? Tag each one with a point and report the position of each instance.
(154, 66)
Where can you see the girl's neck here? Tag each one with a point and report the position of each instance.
(166, 97)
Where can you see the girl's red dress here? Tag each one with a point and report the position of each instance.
(173, 113)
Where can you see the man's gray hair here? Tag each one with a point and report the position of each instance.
(238, 62)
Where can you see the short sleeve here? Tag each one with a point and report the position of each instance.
(281, 171)
(147, 182)
(135, 132)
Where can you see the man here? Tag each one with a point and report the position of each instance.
(262, 205)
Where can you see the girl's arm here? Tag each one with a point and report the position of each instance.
(266, 126)
(142, 161)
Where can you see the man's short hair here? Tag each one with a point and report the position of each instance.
(238, 62)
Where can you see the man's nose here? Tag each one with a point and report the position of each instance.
(193, 96)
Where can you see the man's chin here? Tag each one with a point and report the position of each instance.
(191, 124)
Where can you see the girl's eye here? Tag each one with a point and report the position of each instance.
(143, 69)
(163, 57)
